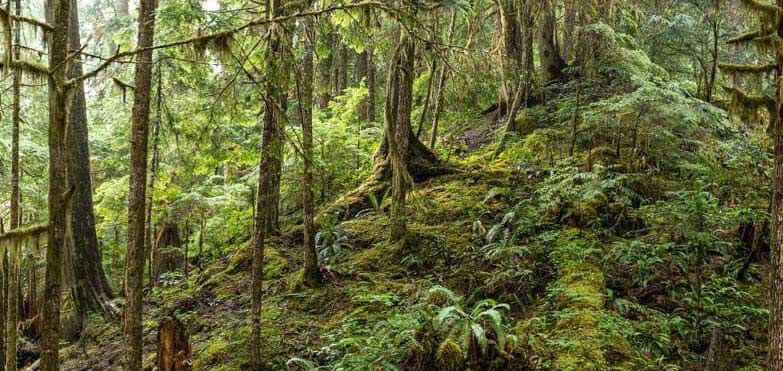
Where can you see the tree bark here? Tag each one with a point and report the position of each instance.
(3, 302)
(168, 243)
(134, 274)
(271, 152)
(312, 272)
(371, 85)
(552, 63)
(341, 67)
(12, 316)
(569, 29)
(399, 99)
(150, 248)
(174, 351)
(59, 193)
(775, 355)
(90, 287)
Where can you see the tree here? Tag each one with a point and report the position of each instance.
(275, 103)
(134, 274)
(90, 287)
(59, 194)
(397, 127)
(312, 273)
(12, 316)
(769, 36)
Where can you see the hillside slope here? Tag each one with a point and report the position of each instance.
(636, 247)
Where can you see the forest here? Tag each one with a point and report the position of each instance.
(378, 185)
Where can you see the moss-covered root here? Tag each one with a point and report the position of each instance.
(578, 339)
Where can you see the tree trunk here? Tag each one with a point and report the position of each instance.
(271, 151)
(91, 288)
(371, 85)
(341, 67)
(399, 99)
(775, 356)
(174, 352)
(325, 64)
(201, 242)
(312, 273)
(59, 193)
(12, 316)
(569, 30)
(3, 302)
(134, 273)
(168, 244)
(12, 334)
(551, 62)
(150, 247)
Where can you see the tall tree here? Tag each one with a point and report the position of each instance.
(134, 274)
(90, 287)
(59, 194)
(275, 103)
(312, 273)
(14, 274)
(769, 36)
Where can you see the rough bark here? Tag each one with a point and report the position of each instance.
(3, 303)
(312, 273)
(13, 307)
(174, 351)
(341, 67)
(569, 30)
(150, 248)
(397, 126)
(371, 85)
(91, 289)
(552, 63)
(58, 199)
(775, 355)
(134, 274)
(12, 316)
(168, 243)
(271, 151)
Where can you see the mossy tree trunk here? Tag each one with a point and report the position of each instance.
(134, 273)
(150, 247)
(58, 190)
(14, 287)
(397, 125)
(312, 272)
(552, 63)
(276, 91)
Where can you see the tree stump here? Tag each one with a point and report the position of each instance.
(174, 353)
